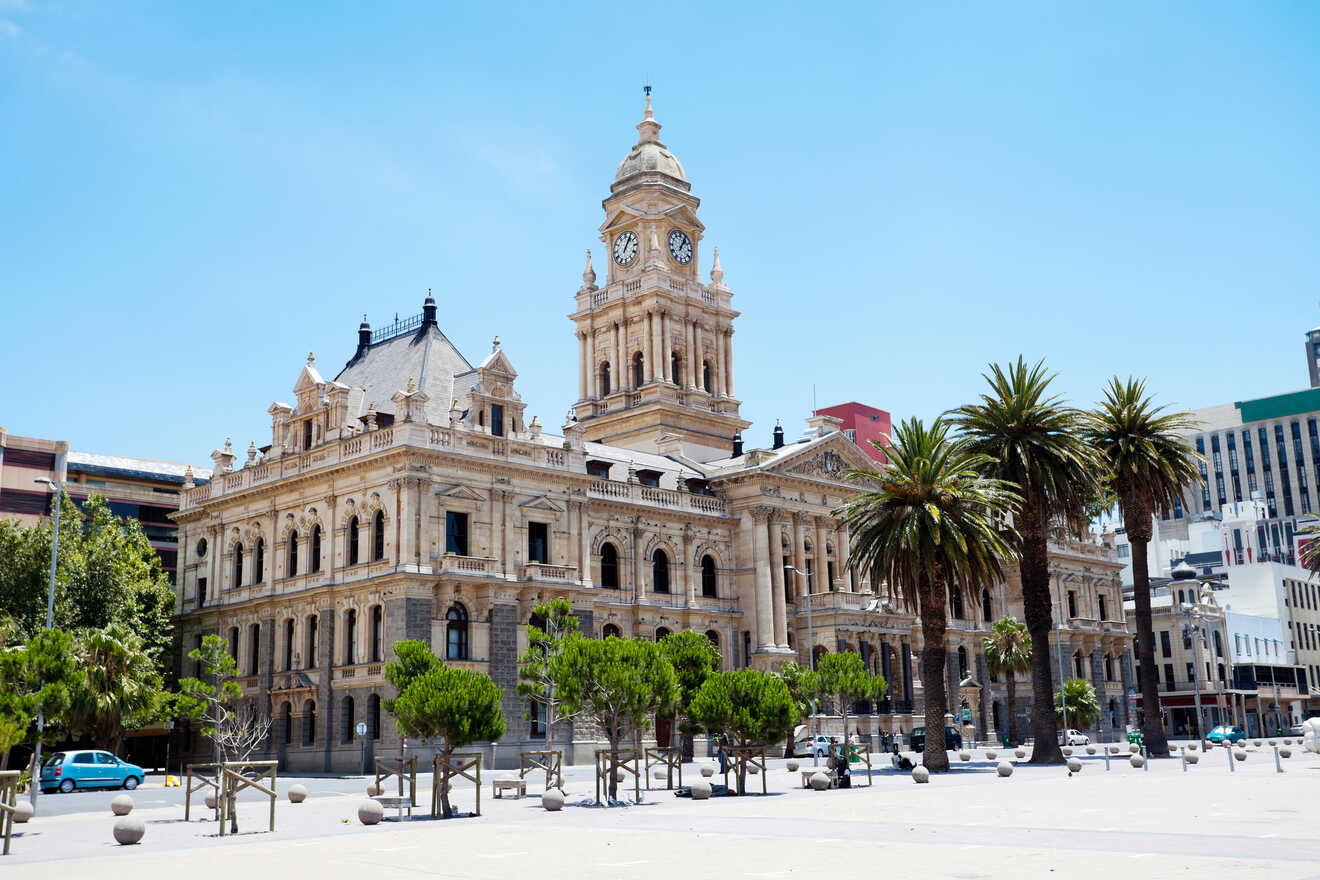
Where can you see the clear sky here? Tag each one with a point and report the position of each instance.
(193, 196)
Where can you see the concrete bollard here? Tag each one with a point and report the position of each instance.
(129, 830)
(1137, 761)
(792, 766)
(1074, 765)
(700, 790)
(297, 794)
(1005, 769)
(122, 805)
(370, 812)
(819, 781)
(23, 811)
(552, 799)
(920, 773)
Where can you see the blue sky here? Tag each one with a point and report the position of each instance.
(196, 195)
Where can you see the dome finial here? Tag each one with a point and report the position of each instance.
(589, 274)
(646, 88)
(716, 270)
(648, 130)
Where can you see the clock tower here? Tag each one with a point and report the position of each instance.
(655, 344)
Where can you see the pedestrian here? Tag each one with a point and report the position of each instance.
(720, 753)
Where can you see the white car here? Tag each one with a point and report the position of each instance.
(1074, 738)
(817, 745)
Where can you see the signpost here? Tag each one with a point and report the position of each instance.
(362, 735)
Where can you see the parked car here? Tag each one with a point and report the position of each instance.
(1297, 730)
(952, 738)
(66, 771)
(1226, 732)
(817, 745)
(1074, 738)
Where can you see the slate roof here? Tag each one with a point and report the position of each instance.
(427, 357)
(139, 468)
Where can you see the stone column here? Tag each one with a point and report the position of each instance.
(666, 370)
(701, 355)
(987, 720)
(582, 365)
(689, 332)
(584, 546)
(1103, 731)
(325, 709)
(593, 379)
(728, 363)
(638, 591)
(690, 571)
(718, 378)
(508, 552)
(799, 556)
(821, 575)
(776, 562)
(842, 550)
(405, 546)
(761, 560)
(953, 699)
(504, 666)
(618, 373)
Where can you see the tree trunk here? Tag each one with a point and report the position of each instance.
(933, 654)
(1011, 686)
(446, 810)
(1152, 727)
(1034, 568)
(614, 768)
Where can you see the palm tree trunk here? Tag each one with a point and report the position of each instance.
(1034, 568)
(1152, 727)
(1011, 687)
(933, 654)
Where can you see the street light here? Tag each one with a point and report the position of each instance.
(1194, 629)
(50, 622)
(811, 664)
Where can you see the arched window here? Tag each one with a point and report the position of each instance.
(350, 637)
(316, 549)
(456, 633)
(309, 723)
(288, 644)
(1221, 672)
(638, 370)
(378, 536)
(1077, 664)
(377, 631)
(1109, 667)
(708, 584)
(676, 368)
(287, 714)
(661, 632)
(705, 376)
(238, 565)
(311, 660)
(962, 662)
(348, 721)
(351, 536)
(259, 562)
(1219, 645)
(610, 631)
(604, 379)
(233, 644)
(986, 610)
(293, 555)
(956, 600)
(609, 566)
(818, 652)
(660, 571)
(714, 639)
(373, 715)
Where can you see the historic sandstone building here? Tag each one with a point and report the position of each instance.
(410, 498)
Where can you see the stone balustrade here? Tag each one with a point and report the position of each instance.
(653, 496)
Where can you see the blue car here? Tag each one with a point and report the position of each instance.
(65, 771)
(1226, 733)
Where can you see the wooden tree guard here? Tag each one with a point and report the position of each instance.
(233, 780)
(625, 759)
(671, 759)
(551, 761)
(201, 776)
(865, 758)
(457, 765)
(403, 768)
(8, 802)
(741, 757)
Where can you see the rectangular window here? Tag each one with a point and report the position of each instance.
(456, 533)
(1233, 466)
(1104, 614)
(1191, 672)
(497, 420)
(1205, 478)
(1218, 461)
(1267, 470)
(1165, 647)
(201, 592)
(538, 543)
(1168, 676)
(1284, 482)
(1072, 603)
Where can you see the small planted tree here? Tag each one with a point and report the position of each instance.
(845, 679)
(36, 678)
(752, 707)
(1008, 651)
(233, 725)
(438, 702)
(544, 643)
(804, 686)
(1083, 707)
(618, 684)
(694, 660)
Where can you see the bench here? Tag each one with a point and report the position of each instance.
(807, 774)
(517, 786)
(396, 801)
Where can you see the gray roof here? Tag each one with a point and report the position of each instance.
(427, 357)
(127, 466)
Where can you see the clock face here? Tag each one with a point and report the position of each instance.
(680, 247)
(625, 248)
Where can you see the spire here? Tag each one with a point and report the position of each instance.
(589, 274)
(648, 130)
(716, 270)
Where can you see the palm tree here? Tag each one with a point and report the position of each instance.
(1034, 441)
(1008, 651)
(123, 690)
(1083, 706)
(1149, 464)
(928, 525)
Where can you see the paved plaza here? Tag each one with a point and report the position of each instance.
(1161, 822)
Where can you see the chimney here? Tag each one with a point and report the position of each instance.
(778, 436)
(364, 338)
(428, 311)
(737, 444)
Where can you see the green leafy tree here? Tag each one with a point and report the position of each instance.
(694, 660)
(122, 689)
(543, 644)
(619, 684)
(845, 679)
(929, 524)
(751, 706)
(1083, 707)
(805, 690)
(1148, 464)
(1008, 652)
(37, 678)
(439, 702)
(1034, 441)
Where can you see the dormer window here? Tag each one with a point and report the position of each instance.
(307, 434)
(496, 420)
(649, 478)
(599, 469)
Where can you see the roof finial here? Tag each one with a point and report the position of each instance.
(716, 270)
(412, 385)
(495, 344)
(589, 274)
(646, 89)
(311, 358)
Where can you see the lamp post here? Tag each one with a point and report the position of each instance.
(50, 622)
(1058, 640)
(1194, 629)
(811, 664)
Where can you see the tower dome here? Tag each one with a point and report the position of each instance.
(649, 155)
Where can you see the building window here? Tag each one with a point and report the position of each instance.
(307, 434)
(238, 565)
(316, 549)
(286, 712)
(676, 370)
(609, 566)
(604, 379)
(259, 562)
(352, 538)
(638, 370)
(538, 549)
(1109, 667)
(1168, 676)
(1072, 603)
(599, 469)
(293, 555)
(705, 376)
(1165, 648)
(311, 660)
(254, 648)
(456, 633)
(378, 537)
(811, 587)
(962, 662)
(660, 571)
(233, 644)
(373, 715)
(1077, 665)
(288, 644)
(708, 583)
(1104, 612)
(661, 632)
(986, 609)
(496, 420)
(377, 632)
(956, 600)
(350, 637)
(610, 631)
(456, 533)
(309, 724)
(348, 720)
(714, 639)
(201, 592)
(1219, 645)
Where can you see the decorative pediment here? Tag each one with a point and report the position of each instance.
(498, 364)
(308, 380)
(461, 492)
(685, 215)
(827, 460)
(623, 215)
(542, 502)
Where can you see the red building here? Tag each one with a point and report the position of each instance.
(862, 424)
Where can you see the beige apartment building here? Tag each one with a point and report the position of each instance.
(413, 496)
